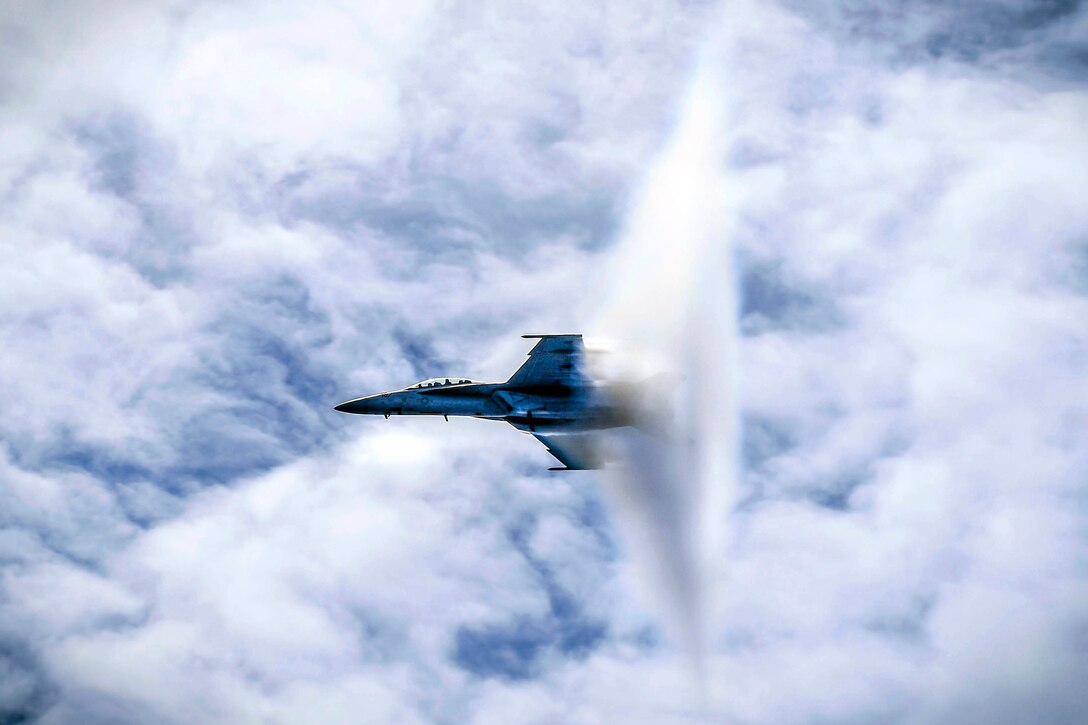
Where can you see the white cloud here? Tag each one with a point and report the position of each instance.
(218, 221)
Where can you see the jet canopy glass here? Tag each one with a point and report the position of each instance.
(433, 382)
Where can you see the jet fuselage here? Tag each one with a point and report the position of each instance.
(527, 407)
(550, 396)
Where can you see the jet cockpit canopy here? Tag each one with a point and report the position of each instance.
(433, 382)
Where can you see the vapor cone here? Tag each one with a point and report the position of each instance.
(671, 313)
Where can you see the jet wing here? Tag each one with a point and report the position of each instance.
(554, 360)
(576, 451)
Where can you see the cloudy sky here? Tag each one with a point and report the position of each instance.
(220, 219)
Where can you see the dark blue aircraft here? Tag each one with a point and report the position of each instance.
(550, 397)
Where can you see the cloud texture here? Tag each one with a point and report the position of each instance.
(219, 220)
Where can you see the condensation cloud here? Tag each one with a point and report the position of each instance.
(670, 316)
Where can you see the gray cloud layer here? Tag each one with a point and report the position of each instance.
(218, 221)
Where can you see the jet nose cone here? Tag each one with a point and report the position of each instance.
(353, 406)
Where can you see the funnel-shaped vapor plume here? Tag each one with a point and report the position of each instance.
(670, 313)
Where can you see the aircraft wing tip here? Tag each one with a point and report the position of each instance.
(552, 334)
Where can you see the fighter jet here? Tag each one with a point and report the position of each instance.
(550, 397)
